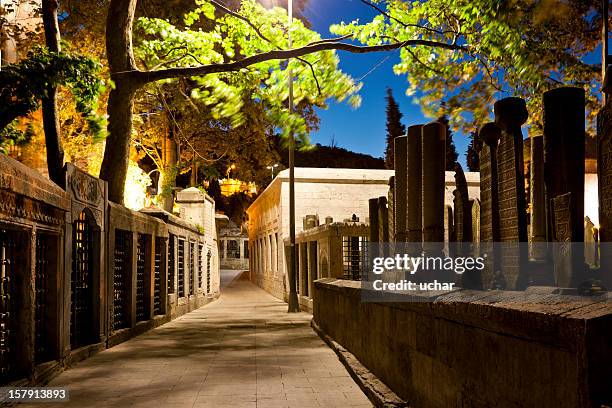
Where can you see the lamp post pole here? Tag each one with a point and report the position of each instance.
(271, 168)
(294, 306)
(605, 51)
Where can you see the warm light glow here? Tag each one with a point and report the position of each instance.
(231, 186)
(591, 198)
(136, 183)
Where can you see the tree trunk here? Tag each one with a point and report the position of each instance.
(170, 169)
(121, 99)
(55, 153)
(193, 180)
(117, 151)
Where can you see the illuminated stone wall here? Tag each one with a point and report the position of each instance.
(336, 193)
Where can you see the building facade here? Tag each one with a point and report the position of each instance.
(233, 247)
(334, 195)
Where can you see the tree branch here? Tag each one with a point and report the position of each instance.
(240, 17)
(406, 25)
(262, 36)
(144, 77)
(314, 75)
(328, 40)
(417, 59)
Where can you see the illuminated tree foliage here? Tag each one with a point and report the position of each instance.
(23, 85)
(517, 47)
(317, 77)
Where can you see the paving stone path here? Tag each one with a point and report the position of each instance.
(244, 350)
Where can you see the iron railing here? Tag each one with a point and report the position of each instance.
(41, 290)
(81, 316)
(8, 310)
(171, 263)
(193, 263)
(121, 274)
(181, 267)
(142, 253)
(200, 264)
(159, 262)
(208, 270)
(354, 257)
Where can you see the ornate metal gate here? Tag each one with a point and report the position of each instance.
(123, 256)
(81, 308)
(354, 257)
(8, 318)
(41, 288)
(171, 264)
(208, 266)
(181, 268)
(193, 265)
(200, 264)
(159, 262)
(141, 262)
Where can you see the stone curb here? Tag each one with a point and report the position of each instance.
(378, 393)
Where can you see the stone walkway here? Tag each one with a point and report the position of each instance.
(243, 350)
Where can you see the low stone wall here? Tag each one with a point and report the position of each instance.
(80, 274)
(477, 349)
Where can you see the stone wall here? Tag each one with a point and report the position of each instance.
(477, 349)
(33, 214)
(79, 274)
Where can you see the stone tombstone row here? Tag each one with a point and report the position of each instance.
(414, 221)
(490, 134)
(510, 115)
(503, 202)
(557, 171)
(564, 133)
(537, 233)
(433, 168)
(604, 177)
(416, 208)
(400, 151)
(563, 255)
(413, 214)
(391, 214)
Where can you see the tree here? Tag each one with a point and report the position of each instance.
(472, 156)
(395, 127)
(521, 48)
(51, 123)
(261, 61)
(174, 130)
(23, 85)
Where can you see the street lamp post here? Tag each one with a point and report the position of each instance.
(294, 306)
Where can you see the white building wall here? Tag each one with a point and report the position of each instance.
(338, 193)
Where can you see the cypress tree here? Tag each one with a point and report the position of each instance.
(395, 127)
(472, 157)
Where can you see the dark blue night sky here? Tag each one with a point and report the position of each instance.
(363, 129)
